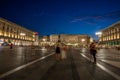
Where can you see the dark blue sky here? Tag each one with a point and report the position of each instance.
(62, 16)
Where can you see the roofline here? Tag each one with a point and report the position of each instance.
(112, 25)
(14, 23)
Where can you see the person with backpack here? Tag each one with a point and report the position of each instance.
(93, 51)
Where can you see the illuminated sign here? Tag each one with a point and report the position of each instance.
(36, 33)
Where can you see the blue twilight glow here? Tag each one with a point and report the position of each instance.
(62, 16)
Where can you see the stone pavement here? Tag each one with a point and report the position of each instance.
(75, 67)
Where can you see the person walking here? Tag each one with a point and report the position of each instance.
(58, 51)
(63, 53)
(93, 51)
(11, 46)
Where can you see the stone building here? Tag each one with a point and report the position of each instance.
(70, 39)
(75, 40)
(14, 33)
(44, 40)
(110, 36)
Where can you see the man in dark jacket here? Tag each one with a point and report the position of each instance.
(93, 50)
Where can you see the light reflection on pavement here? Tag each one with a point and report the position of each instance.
(12, 58)
(110, 56)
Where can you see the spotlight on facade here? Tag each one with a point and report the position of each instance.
(44, 40)
(22, 34)
(82, 40)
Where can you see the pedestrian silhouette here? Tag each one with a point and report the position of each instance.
(63, 52)
(11, 46)
(93, 51)
(58, 51)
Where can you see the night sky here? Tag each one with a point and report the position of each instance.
(61, 16)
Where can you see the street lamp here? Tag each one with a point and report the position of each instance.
(98, 33)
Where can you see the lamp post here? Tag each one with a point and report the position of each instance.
(99, 35)
(44, 40)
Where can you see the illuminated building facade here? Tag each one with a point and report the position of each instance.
(68, 39)
(44, 40)
(53, 38)
(75, 40)
(16, 34)
(110, 36)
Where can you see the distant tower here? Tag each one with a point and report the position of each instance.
(59, 38)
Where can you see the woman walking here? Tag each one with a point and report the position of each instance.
(58, 51)
(63, 54)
